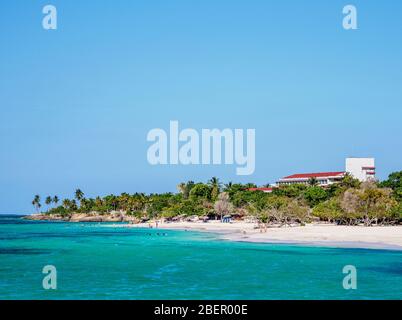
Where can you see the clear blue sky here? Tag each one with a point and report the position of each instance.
(77, 103)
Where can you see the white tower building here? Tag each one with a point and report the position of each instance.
(362, 169)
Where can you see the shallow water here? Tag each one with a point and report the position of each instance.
(98, 262)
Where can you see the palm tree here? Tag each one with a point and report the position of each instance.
(216, 187)
(66, 203)
(124, 200)
(70, 205)
(111, 202)
(181, 188)
(79, 194)
(185, 188)
(73, 206)
(228, 186)
(214, 182)
(313, 181)
(48, 201)
(250, 185)
(36, 203)
(55, 200)
(98, 201)
(349, 182)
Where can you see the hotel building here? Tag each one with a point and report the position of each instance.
(362, 169)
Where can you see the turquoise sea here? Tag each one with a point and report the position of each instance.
(98, 262)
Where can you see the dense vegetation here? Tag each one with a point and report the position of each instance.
(349, 202)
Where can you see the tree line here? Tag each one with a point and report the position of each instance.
(349, 202)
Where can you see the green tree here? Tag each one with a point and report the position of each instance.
(275, 209)
(55, 200)
(200, 190)
(233, 188)
(69, 205)
(249, 186)
(181, 187)
(228, 186)
(124, 200)
(185, 188)
(66, 203)
(222, 205)
(349, 182)
(333, 190)
(312, 181)
(79, 195)
(215, 187)
(36, 203)
(291, 191)
(298, 211)
(329, 210)
(285, 210)
(394, 182)
(111, 202)
(396, 213)
(48, 201)
(315, 195)
(369, 203)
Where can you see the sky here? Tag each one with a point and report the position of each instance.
(76, 103)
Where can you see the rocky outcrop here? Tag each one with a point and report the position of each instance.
(43, 217)
(82, 217)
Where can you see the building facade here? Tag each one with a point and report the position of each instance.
(322, 178)
(362, 169)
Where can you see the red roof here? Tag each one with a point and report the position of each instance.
(315, 175)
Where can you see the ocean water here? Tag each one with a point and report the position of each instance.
(98, 262)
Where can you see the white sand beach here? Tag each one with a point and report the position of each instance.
(381, 237)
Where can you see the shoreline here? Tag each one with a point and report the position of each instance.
(315, 235)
